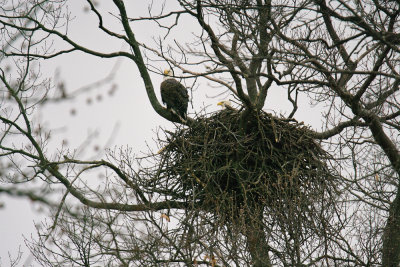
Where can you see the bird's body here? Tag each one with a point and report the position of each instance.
(174, 95)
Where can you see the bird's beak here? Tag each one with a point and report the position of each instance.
(166, 72)
(219, 103)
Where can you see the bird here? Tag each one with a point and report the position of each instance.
(224, 104)
(174, 95)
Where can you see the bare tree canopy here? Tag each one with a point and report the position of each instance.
(236, 187)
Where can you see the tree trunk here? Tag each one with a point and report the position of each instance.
(391, 236)
(256, 239)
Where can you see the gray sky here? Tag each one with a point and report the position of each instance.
(127, 112)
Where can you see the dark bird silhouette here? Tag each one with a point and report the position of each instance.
(174, 95)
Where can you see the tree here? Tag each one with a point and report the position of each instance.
(336, 54)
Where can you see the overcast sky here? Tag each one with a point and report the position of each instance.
(121, 112)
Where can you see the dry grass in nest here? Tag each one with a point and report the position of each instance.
(225, 169)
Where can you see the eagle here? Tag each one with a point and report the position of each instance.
(226, 104)
(174, 95)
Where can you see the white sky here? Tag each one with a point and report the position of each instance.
(128, 109)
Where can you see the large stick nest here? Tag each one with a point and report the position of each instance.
(230, 161)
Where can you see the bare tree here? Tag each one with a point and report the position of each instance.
(236, 188)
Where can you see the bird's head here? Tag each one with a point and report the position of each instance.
(168, 72)
(224, 103)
